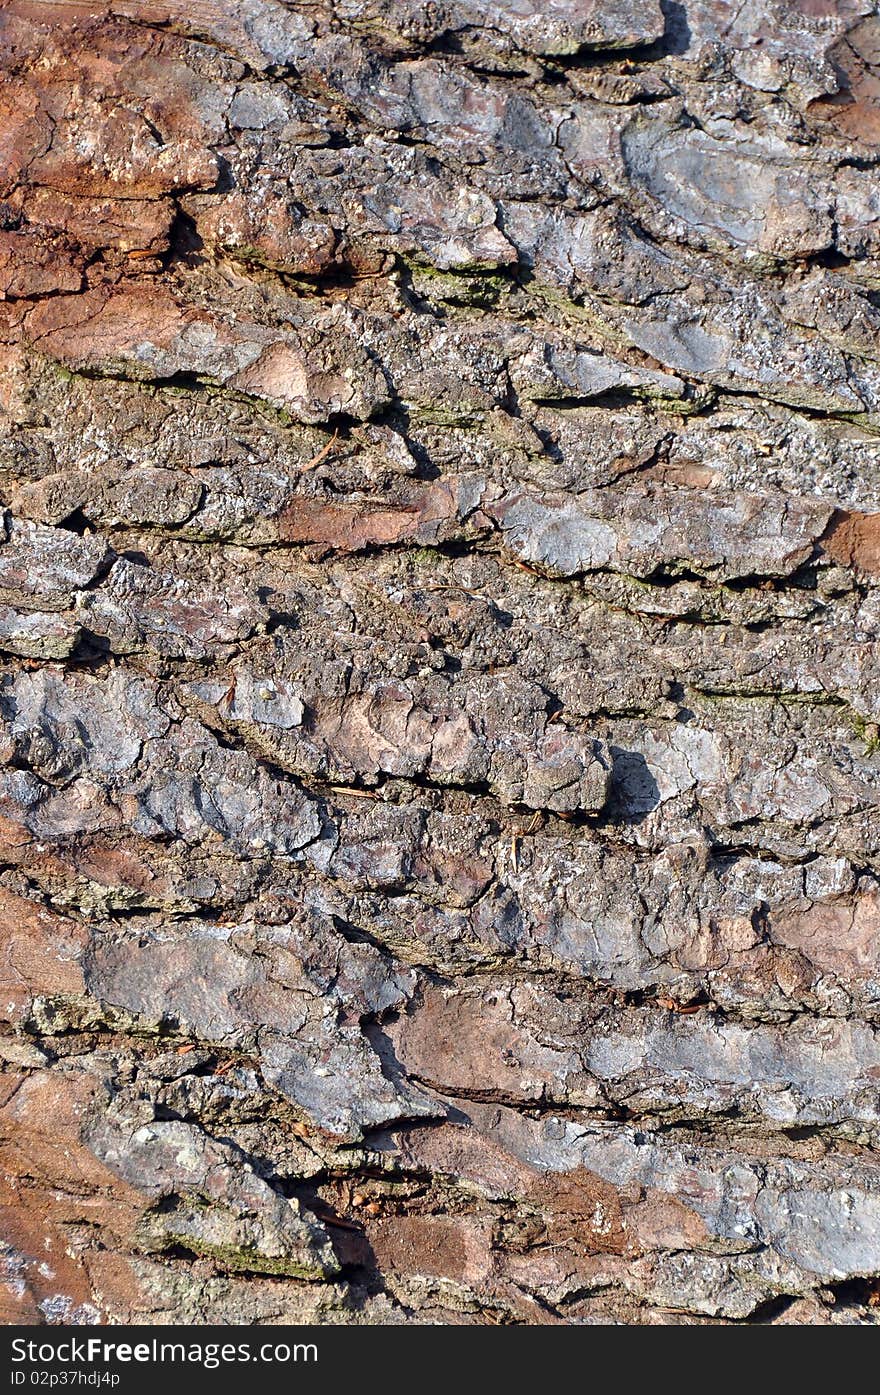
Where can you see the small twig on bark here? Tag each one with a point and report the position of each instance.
(322, 454)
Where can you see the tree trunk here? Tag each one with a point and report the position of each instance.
(438, 610)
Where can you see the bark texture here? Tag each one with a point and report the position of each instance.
(439, 592)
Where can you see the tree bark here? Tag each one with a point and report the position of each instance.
(439, 678)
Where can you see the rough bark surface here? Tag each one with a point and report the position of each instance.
(439, 703)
